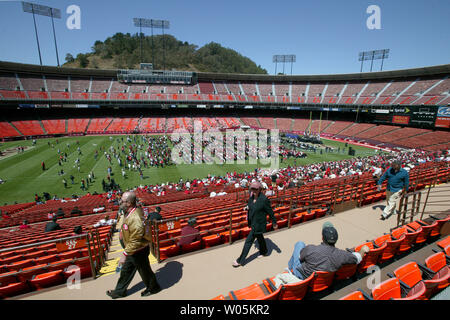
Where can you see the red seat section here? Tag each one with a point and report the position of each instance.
(29, 127)
(54, 126)
(7, 130)
(77, 125)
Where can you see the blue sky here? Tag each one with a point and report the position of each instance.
(325, 35)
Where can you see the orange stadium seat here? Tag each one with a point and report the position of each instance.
(411, 275)
(437, 264)
(254, 292)
(391, 248)
(14, 289)
(47, 279)
(291, 291)
(370, 258)
(390, 289)
(356, 295)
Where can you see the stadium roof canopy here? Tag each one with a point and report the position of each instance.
(205, 76)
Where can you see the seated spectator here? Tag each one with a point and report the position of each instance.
(75, 212)
(189, 233)
(52, 226)
(98, 209)
(105, 222)
(270, 192)
(77, 230)
(60, 213)
(155, 215)
(24, 225)
(50, 215)
(324, 257)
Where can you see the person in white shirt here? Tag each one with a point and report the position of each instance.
(105, 222)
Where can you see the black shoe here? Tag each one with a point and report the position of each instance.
(114, 295)
(148, 292)
(387, 217)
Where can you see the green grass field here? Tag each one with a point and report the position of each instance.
(24, 176)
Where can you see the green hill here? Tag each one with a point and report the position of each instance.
(122, 51)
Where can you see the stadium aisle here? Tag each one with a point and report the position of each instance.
(206, 274)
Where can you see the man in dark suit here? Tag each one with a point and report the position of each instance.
(52, 226)
(258, 208)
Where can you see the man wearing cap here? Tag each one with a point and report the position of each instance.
(136, 251)
(258, 207)
(397, 185)
(324, 257)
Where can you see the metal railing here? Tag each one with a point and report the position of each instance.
(350, 191)
(96, 255)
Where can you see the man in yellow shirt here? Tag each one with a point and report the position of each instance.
(136, 251)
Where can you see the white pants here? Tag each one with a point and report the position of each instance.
(391, 202)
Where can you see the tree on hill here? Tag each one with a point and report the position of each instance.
(123, 51)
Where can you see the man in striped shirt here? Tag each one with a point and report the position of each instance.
(324, 257)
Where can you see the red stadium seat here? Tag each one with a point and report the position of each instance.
(46, 259)
(169, 251)
(437, 263)
(356, 295)
(444, 242)
(12, 259)
(47, 279)
(424, 231)
(437, 230)
(322, 281)
(346, 271)
(390, 289)
(27, 273)
(16, 266)
(211, 240)
(82, 265)
(60, 265)
(191, 246)
(35, 254)
(391, 247)
(70, 254)
(8, 278)
(14, 289)
(254, 292)
(291, 291)
(410, 238)
(410, 274)
(371, 257)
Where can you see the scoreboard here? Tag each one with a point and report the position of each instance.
(422, 116)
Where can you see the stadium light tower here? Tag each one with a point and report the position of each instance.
(283, 58)
(150, 23)
(373, 55)
(43, 11)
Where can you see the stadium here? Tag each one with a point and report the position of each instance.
(80, 137)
